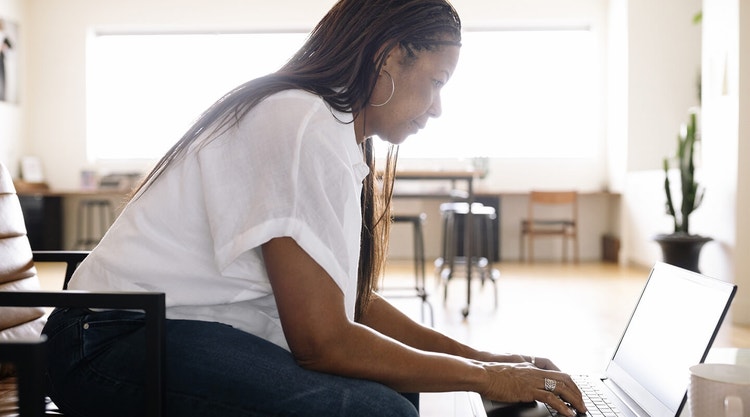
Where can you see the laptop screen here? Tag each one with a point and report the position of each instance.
(671, 329)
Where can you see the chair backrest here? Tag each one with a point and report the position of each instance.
(17, 271)
(554, 200)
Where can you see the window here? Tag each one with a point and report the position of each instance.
(516, 92)
(144, 91)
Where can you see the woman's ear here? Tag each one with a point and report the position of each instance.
(394, 56)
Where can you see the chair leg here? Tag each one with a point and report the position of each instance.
(530, 240)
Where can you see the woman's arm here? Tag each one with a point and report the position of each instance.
(321, 338)
(388, 320)
(385, 318)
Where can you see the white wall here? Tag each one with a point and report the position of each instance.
(725, 153)
(663, 59)
(664, 53)
(720, 135)
(726, 117)
(11, 114)
(742, 263)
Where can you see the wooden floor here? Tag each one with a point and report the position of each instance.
(572, 314)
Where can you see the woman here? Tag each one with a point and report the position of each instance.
(263, 227)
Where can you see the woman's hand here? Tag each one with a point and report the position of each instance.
(539, 362)
(524, 382)
(542, 363)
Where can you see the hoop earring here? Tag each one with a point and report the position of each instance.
(393, 90)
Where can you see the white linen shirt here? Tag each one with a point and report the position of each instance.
(291, 167)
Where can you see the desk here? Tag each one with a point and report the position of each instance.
(466, 176)
(45, 213)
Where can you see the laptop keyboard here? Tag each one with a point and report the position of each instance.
(596, 402)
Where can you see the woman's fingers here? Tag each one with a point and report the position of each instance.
(558, 404)
(561, 393)
(544, 363)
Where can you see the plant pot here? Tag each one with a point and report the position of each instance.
(682, 250)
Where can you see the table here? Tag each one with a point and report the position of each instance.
(466, 176)
(45, 212)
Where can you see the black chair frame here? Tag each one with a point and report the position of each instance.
(70, 258)
(30, 360)
(30, 357)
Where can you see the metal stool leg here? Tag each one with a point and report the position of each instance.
(89, 211)
(419, 288)
(482, 247)
(419, 269)
(489, 253)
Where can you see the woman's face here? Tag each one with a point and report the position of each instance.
(416, 93)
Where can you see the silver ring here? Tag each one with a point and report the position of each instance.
(550, 384)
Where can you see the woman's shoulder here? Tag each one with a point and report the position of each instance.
(297, 103)
(295, 96)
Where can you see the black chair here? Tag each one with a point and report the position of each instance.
(29, 357)
(21, 319)
(27, 386)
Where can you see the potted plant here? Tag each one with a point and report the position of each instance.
(681, 248)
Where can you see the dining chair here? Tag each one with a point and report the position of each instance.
(550, 214)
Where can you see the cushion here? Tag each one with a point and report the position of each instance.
(17, 272)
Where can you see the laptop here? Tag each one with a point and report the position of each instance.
(671, 328)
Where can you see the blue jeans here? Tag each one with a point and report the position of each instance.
(96, 369)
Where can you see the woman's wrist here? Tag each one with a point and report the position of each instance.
(486, 380)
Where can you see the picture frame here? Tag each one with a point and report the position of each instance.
(31, 169)
(9, 60)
